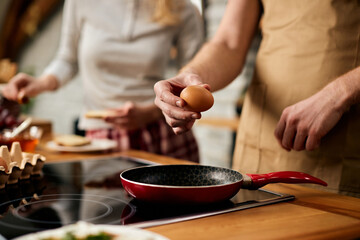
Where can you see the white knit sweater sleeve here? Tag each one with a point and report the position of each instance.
(64, 66)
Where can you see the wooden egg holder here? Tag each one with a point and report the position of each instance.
(18, 164)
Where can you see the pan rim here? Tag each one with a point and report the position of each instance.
(176, 186)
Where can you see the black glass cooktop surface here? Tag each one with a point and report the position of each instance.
(91, 191)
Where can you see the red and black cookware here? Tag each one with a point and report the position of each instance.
(198, 184)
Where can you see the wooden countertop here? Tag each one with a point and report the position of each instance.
(313, 214)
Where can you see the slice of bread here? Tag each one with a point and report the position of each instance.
(71, 140)
(99, 113)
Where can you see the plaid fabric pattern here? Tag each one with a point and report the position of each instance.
(156, 137)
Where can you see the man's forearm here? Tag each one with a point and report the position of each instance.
(347, 87)
(216, 65)
(351, 81)
(221, 60)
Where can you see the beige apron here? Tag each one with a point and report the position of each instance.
(306, 44)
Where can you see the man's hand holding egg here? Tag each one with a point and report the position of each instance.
(197, 98)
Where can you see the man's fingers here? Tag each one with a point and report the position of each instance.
(288, 137)
(171, 99)
(312, 143)
(174, 123)
(300, 141)
(172, 106)
(184, 128)
(279, 130)
(179, 130)
(207, 86)
(163, 92)
(176, 112)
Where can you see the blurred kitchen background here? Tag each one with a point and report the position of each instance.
(30, 34)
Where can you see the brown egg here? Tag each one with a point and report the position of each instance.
(198, 98)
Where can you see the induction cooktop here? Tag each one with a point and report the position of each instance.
(91, 191)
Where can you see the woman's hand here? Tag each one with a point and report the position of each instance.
(133, 116)
(172, 106)
(23, 85)
(17, 86)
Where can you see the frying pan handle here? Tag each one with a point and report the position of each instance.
(260, 180)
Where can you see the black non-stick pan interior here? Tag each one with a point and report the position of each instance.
(183, 175)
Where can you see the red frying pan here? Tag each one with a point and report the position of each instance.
(198, 184)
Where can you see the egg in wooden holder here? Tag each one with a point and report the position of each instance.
(15, 165)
